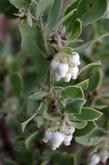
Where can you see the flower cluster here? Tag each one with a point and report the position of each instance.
(57, 138)
(65, 67)
(97, 158)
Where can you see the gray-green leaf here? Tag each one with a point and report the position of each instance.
(72, 92)
(75, 105)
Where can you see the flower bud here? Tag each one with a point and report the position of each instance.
(68, 77)
(74, 59)
(54, 64)
(70, 129)
(48, 136)
(67, 140)
(57, 76)
(74, 72)
(95, 159)
(57, 139)
(63, 69)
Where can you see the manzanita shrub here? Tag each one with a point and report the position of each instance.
(54, 82)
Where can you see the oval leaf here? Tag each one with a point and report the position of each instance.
(87, 114)
(91, 10)
(84, 84)
(90, 127)
(72, 92)
(75, 105)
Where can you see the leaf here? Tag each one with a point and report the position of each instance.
(54, 15)
(73, 27)
(37, 95)
(99, 107)
(7, 9)
(20, 3)
(78, 124)
(85, 70)
(84, 84)
(62, 20)
(91, 139)
(17, 83)
(43, 7)
(94, 73)
(87, 59)
(33, 138)
(67, 50)
(32, 46)
(29, 39)
(76, 29)
(73, 24)
(90, 127)
(72, 92)
(90, 11)
(83, 47)
(75, 105)
(24, 124)
(95, 79)
(71, 6)
(88, 114)
(22, 153)
(60, 158)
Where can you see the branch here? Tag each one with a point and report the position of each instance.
(5, 137)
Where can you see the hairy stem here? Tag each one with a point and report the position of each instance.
(46, 55)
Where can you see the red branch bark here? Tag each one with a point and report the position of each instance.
(5, 137)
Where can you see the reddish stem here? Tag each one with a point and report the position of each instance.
(5, 137)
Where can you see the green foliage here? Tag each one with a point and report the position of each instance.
(54, 15)
(48, 30)
(90, 127)
(64, 159)
(17, 83)
(37, 96)
(84, 84)
(72, 92)
(43, 7)
(75, 106)
(88, 114)
(33, 138)
(91, 139)
(7, 9)
(90, 11)
(20, 3)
